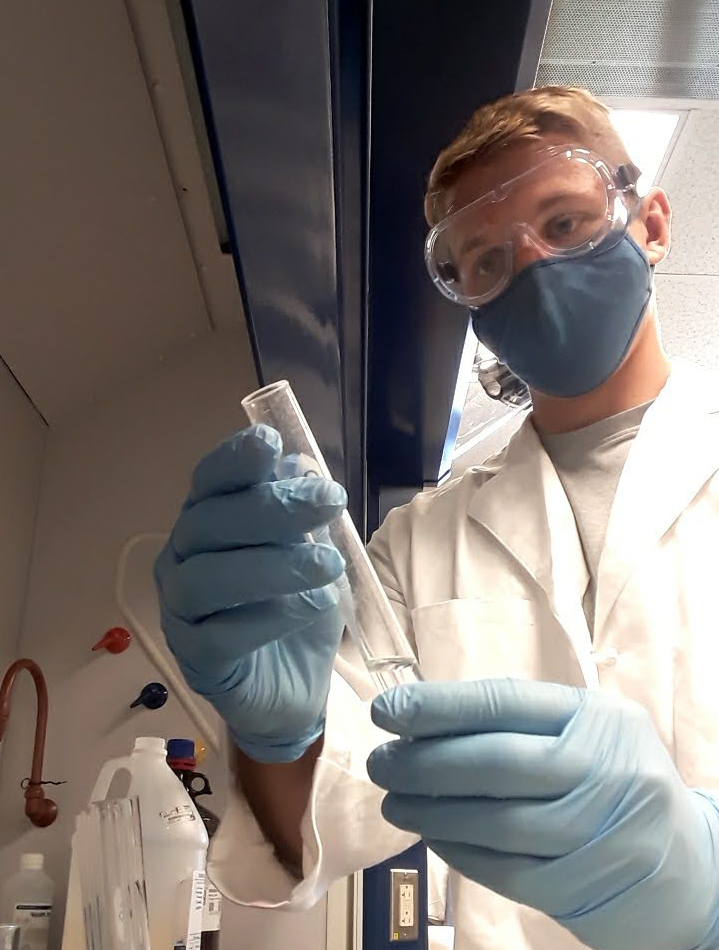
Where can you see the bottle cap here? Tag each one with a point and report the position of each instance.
(181, 750)
(32, 862)
(150, 744)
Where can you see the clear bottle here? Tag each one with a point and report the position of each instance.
(27, 902)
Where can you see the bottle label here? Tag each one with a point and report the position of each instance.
(191, 901)
(180, 813)
(34, 921)
(212, 913)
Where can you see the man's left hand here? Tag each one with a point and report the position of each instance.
(558, 798)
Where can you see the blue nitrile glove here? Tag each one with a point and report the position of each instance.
(245, 602)
(559, 798)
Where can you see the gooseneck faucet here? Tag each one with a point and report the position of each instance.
(40, 810)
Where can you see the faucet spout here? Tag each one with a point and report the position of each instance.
(40, 810)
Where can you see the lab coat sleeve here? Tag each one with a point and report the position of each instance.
(343, 829)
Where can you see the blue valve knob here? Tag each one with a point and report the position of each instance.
(153, 696)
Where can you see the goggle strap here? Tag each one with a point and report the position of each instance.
(628, 175)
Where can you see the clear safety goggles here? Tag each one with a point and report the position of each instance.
(564, 206)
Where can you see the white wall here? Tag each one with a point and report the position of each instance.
(22, 437)
(116, 469)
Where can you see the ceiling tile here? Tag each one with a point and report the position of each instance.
(688, 180)
(688, 308)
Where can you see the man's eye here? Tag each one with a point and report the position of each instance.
(563, 227)
(490, 263)
(571, 230)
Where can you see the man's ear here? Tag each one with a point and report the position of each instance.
(655, 216)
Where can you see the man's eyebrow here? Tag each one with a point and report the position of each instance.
(471, 244)
(555, 198)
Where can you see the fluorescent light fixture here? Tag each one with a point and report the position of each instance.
(647, 136)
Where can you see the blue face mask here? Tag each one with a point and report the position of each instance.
(564, 325)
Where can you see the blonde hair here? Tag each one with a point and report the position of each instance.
(521, 116)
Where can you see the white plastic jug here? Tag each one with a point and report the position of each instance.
(174, 842)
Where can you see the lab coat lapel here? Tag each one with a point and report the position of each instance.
(674, 454)
(525, 507)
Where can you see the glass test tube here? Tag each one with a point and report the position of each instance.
(9, 937)
(368, 615)
(112, 881)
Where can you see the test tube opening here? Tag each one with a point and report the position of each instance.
(266, 392)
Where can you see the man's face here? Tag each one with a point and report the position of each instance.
(549, 199)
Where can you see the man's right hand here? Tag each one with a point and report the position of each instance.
(248, 607)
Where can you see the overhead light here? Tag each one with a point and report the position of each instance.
(647, 136)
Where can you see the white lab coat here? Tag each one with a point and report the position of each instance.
(488, 575)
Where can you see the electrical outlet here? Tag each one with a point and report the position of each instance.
(404, 905)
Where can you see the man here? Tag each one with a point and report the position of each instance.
(567, 613)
